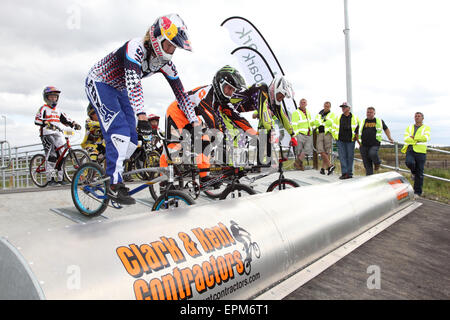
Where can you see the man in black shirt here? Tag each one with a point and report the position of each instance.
(346, 131)
(371, 134)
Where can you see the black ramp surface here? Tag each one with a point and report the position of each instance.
(408, 260)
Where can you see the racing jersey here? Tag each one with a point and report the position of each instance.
(51, 115)
(247, 100)
(124, 68)
(256, 97)
(205, 109)
(93, 134)
(203, 97)
(236, 119)
(208, 109)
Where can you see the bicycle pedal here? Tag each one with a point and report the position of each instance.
(116, 205)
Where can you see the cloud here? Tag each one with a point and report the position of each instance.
(399, 61)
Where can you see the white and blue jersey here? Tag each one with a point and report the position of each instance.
(113, 86)
(122, 70)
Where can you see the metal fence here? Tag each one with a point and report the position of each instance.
(397, 167)
(14, 163)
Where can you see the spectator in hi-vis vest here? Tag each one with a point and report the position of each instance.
(371, 135)
(302, 125)
(417, 137)
(324, 124)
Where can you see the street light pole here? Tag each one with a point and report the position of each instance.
(4, 117)
(347, 57)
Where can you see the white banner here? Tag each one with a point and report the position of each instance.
(253, 65)
(256, 69)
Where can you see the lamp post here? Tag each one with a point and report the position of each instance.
(4, 117)
(347, 58)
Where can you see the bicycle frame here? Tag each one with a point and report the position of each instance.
(66, 148)
(231, 174)
(280, 167)
(91, 188)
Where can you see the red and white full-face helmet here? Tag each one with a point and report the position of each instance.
(280, 85)
(171, 28)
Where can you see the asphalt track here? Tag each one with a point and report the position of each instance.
(411, 257)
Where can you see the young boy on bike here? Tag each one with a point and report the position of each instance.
(49, 119)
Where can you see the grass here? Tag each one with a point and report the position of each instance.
(437, 165)
(432, 189)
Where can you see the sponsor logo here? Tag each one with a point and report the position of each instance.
(117, 139)
(165, 23)
(246, 39)
(173, 68)
(401, 190)
(155, 43)
(106, 115)
(192, 263)
(170, 32)
(139, 55)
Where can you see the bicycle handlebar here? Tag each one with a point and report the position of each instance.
(67, 131)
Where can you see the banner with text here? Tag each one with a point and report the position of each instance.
(255, 68)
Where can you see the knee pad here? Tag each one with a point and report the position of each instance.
(130, 150)
(121, 143)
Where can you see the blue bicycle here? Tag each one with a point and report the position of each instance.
(90, 184)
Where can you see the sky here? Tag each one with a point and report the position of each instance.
(399, 54)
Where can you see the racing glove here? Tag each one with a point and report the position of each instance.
(293, 142)
(76, 126)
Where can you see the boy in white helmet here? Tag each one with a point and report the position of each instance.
(266, 100)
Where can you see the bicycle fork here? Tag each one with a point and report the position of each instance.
(166, 193)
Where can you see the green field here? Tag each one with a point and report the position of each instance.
(438, 164)
(432, 189)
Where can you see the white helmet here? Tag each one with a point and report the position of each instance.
(171, 28)
(280, 85)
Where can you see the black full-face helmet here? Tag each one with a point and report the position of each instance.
(227, 75)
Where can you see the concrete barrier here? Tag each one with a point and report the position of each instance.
(235, 249)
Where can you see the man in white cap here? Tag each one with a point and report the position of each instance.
(346, 129)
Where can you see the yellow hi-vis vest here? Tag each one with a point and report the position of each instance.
(301, 123)
(327, 123)
(337, 124)
(420, 140)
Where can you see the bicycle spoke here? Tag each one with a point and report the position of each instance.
(89, 190)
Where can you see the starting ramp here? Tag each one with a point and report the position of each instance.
(248, 248)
